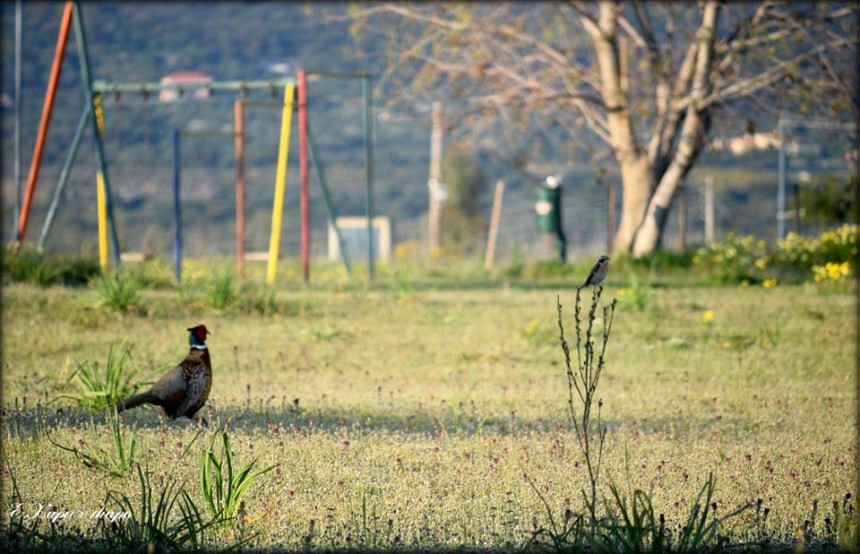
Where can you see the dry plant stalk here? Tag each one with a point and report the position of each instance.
(582, 381)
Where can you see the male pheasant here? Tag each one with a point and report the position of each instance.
(183, 390)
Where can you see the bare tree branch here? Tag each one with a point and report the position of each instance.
(560, 64)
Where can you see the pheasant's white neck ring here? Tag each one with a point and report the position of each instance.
(198, 347)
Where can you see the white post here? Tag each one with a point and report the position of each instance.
(494, 224)
(435, 177)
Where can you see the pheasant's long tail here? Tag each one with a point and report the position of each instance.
(135, 400)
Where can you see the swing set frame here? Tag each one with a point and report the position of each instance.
(295, 99)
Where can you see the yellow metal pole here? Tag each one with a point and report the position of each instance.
(101, 197)
(280, 182)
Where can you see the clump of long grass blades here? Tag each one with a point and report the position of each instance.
(163, 520)
(636, 527)
(102, 389)
(221, 291)
(117, 460)
(223, 486)
(118, 293)
(253, 299)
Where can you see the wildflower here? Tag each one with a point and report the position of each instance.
(831, 271)
(770, 283)
(761, 263)
(708, 316)
(531, 328)
(836, 271)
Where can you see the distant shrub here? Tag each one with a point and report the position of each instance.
(78, 272)
(151, 274)
(829, 201)
(462, 228)
(735, 260)
(514, 268)
(663, 260)
(255, 299)
(837, 245)
(408, 251)
(37, 268)
(549, 269)
(117, 292)
(221, 291)
(747, 259)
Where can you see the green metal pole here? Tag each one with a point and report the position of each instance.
(368, 167)
(86, 77)
(64, 176)
(332, 217)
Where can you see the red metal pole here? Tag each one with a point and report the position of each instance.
(303, 175)
(65, 25)
(240, 186)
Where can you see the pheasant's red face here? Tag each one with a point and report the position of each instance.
(200, 332)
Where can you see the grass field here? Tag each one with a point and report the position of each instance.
(410, 416)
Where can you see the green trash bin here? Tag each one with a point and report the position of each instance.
(548, 209)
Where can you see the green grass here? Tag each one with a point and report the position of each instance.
(431, 415)
(119, 293)
(99, 389)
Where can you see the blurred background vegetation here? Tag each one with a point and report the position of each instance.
(128, 43)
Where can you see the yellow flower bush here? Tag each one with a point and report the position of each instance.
(831, 272)
(745, 259)
(735, 259)
(836, 245)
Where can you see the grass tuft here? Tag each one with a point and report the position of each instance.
(103, 389)
(116, 462)
(164, 519)
(223, 486)
(117, 292)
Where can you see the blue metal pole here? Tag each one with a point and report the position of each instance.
(64, 176)
(177, 213)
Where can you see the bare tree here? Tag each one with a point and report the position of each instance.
(648, 79)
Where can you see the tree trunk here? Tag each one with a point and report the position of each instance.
(649, 236)
(637, 182)
(650, 233)
(693, 133)
(636, 176)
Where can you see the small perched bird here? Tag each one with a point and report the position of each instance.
(183, 390)
(598, 272)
